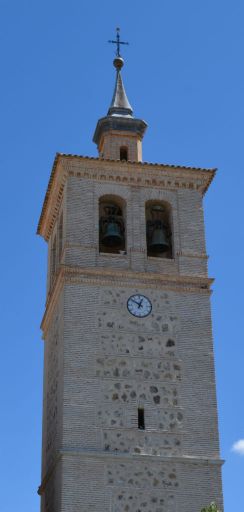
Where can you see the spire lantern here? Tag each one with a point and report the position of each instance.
(119, 130)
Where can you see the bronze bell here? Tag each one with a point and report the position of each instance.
(112, 236)
(159, 242)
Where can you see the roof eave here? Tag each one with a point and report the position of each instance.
(39, 230)
(119, 123)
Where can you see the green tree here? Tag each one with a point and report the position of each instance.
(212, 508)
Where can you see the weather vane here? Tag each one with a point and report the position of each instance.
(118, 42)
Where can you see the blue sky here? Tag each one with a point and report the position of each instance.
(183, 75)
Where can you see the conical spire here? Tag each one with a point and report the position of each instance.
(119, 133)
(120, 105)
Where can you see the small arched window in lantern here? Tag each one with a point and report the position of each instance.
(158, 225)
(123, 153)
(111, 228)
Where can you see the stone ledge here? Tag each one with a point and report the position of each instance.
(125, 456)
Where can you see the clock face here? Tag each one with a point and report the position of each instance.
(139, 305)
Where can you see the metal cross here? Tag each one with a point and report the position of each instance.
(118, 42)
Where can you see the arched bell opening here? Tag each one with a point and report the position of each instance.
(159, 231)
(112, 225)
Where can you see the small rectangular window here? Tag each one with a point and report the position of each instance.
(141, 419)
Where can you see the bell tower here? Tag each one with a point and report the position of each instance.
(129, 405)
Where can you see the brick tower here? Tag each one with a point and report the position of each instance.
(129, 414)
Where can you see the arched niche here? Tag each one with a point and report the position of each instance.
(112, 227)
(159, 229)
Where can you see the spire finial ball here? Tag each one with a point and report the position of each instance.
(118, 63)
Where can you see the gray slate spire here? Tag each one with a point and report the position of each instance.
(120, 105)
(120, 113)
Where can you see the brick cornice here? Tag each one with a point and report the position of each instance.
(139, 174)
(123, 278)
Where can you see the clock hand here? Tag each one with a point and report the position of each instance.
(138, 303)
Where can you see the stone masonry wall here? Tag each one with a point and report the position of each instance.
(114, 363)
(122, 362)
(136, 486)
